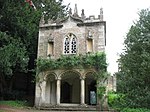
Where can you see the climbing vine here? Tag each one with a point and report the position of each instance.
(97, 61)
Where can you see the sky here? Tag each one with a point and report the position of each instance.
(119, 16)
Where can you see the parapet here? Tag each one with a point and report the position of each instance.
(82, 18)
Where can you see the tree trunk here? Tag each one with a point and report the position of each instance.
(11, 82)
(3, 86)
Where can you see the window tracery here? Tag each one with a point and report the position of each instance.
(70, 44)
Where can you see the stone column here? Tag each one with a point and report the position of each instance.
(82, 91)
(43, 91)
(58, 91)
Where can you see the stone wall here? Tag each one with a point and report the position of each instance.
(81, 29)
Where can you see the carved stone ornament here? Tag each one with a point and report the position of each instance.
(89, 35)
(50, 38)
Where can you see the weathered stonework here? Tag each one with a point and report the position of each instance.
(77, 26)
(69, 87)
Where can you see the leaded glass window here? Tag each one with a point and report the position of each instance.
(66, 45)
(73, 46)
(70, 44)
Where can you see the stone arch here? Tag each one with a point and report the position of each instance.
(70, 87)
(90, 88)
(73, 71)
(49, 74)
(91, 72)
(50, 88)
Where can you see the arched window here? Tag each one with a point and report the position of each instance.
(70, 44)
(66, 45)
(74, 45)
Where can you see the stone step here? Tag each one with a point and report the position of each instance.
(79, 108)
(65, 108)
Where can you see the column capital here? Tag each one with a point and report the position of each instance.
(82, 77)
(58, 78)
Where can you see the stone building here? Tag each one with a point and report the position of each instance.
(73, 35)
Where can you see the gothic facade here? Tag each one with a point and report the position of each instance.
(73, 35)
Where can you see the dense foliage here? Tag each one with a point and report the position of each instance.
(134, 64)
(97, 61)
(116, 100)
(52, 9)
(19, 26)
(13, 56)
(135, 110)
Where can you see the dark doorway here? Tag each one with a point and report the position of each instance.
(93, 86)
(65, 92)
(92, 93)
(90, 89)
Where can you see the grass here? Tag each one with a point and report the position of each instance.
(2, 111)
(18, 104)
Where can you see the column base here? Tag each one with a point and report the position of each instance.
(84, 105)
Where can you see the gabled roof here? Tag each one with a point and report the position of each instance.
(77, 19)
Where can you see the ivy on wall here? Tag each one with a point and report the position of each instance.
(97, 61)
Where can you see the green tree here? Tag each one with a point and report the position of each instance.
(23, 21)
(19, 26)
(133, 77)
(52, 9)
(13, 58)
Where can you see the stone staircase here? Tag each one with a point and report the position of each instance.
(70, 108)
(74, 108)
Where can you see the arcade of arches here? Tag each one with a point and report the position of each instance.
(72, 87)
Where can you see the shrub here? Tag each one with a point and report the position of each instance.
(135, 110)
(116, 100)
(112, 97)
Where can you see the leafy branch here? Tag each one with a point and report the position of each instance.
(97, 61)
